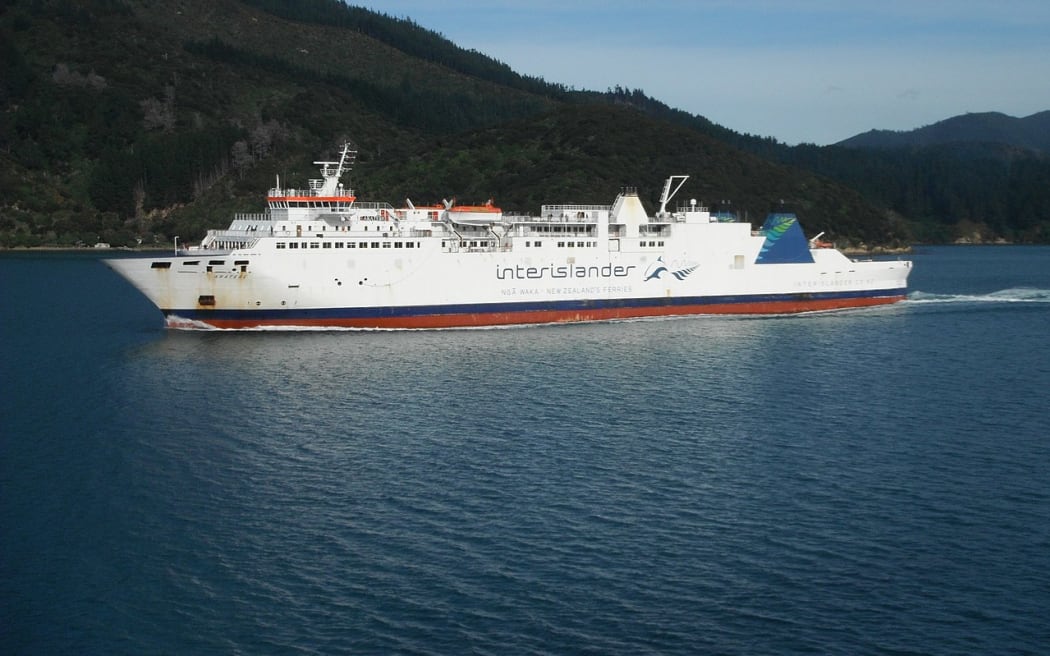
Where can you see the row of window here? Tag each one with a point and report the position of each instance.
(528, 244)
(472, 244)
(462, 244)
(215, 262)
(558, 228)
(348, 244)
(317, 204)
(243, 264)
(592, 244)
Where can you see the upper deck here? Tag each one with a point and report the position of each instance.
(325, 208)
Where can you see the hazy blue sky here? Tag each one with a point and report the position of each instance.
(814, 71)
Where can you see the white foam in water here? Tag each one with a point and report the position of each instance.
(1012, 295)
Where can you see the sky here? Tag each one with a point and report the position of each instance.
(812, 71)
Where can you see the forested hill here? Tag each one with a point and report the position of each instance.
(977, 177)
(1029, 133)
(129, 120)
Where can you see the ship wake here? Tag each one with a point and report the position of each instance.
(1012, 295)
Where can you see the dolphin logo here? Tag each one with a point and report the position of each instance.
(655, 270)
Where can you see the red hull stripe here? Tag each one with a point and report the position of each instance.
(532, 316)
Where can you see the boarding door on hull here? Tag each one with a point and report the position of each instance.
(291, 297)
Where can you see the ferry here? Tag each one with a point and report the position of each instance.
(320, 258)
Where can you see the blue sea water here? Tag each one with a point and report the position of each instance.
(865, 482)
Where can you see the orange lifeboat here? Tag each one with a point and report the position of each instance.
(486, 213)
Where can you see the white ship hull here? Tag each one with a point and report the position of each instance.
(316, 260)
(428, 290)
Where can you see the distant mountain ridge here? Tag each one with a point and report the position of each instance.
(1031, 133)
(130, 121)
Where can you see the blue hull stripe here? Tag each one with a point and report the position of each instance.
(535, 306)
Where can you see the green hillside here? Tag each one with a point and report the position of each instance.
(132, 121)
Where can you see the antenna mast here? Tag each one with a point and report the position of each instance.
(667, 194)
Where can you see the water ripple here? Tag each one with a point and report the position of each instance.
(866, 482)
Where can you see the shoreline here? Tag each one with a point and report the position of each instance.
(84, 249)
